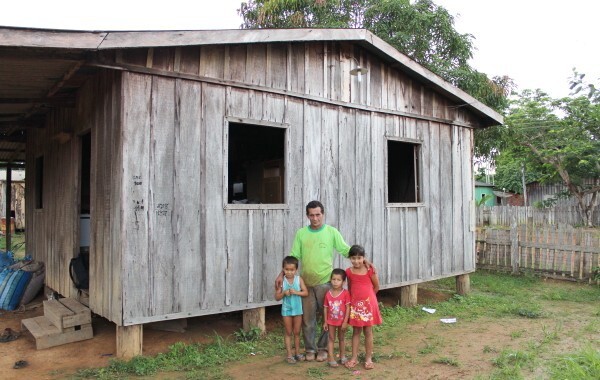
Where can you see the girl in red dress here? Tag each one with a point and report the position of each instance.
(364, 310)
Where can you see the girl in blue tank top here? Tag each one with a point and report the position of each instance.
(291, 292)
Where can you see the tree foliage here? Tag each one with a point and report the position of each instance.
(420, 29)
(559, 140)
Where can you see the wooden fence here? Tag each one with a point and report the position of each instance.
(555, 216)
(563, 253)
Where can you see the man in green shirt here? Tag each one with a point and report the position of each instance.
(314, 246)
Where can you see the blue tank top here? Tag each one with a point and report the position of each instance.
(292, 304)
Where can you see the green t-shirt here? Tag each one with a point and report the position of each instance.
(314, 248)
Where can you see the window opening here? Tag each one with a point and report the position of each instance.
(403, 172)
(86, 145)
(256, 162)
(39, 182)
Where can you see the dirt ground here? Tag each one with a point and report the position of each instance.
(473, 344)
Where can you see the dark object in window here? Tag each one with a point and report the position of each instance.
(256, 164)
(403, 172)
(39, 182)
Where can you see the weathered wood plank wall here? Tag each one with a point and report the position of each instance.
(51, 237)
(164, 244)
(53, 234)
(338, 153)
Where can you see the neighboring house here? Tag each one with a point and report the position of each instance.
(483, 189)
(194, 153)
(506, 198)
(539, 192)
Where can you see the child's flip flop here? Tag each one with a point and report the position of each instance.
(369, 365)
(350, 364)
(290, 360)
(333, 364)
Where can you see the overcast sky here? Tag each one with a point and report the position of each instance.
(535, 42)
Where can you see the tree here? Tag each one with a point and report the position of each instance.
(420, 29)
(558, 138)
(508, 170)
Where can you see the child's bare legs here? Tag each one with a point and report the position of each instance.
(288, 324)
(368, 344)
(331, 343)
(356, 332)
(342, 341)
(297, 328)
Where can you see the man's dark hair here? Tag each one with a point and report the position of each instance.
(290, 260)
(339, 271)
(315, 204)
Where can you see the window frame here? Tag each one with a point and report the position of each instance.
(418, 169)
(286, 178)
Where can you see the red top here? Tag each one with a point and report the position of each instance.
(336, 307)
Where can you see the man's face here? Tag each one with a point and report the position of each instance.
(315, 215)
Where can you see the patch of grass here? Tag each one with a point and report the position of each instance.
(517, 334)
(512, 358)
(446, 361)
(251, 335)
(508, 373)
(18, 247)
(574, 293)
(488, 349)
(551, 335)
(179, 357)
(528, 313)
(584, 364)
(503, 284)
(316, 373)
(593, 327)
(400, 354)
(432, 345)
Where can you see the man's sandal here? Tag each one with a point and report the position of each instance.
(322, 356)
(333, 364)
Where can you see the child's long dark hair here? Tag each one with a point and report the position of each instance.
(356, 250)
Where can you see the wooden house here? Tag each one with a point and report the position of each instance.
(193, 154)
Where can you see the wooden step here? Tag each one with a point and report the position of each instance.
(47, 335)
(67, 312)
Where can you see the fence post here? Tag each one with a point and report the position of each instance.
(514, 241)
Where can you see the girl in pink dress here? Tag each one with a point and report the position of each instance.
(364, 310)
